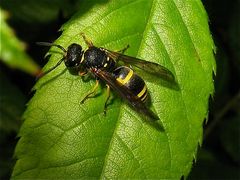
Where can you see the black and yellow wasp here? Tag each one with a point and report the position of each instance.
(103, 64)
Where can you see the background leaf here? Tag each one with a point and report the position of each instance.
(62, 139)
(43, 11)
(12, 105)
(12, 50)
(212, 168)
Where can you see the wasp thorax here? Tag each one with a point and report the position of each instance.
(74, 55)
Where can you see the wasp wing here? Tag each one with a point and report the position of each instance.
(125, 93)
(149, 67)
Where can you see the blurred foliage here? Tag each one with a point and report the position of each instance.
(12, 105)
(12, 50)
(219, 156)
(29, 11)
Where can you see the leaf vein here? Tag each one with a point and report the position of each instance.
(184, 105)
(134, 156)
(189, 35)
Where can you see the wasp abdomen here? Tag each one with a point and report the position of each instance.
(125, 76)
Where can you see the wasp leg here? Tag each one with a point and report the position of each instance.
(124, 49)
(87, 41)
(83, 73)
(122, 52)
(108, 96)
(92, 93)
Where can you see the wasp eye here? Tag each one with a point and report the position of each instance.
(74, 55)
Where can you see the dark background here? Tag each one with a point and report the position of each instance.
(219, 157)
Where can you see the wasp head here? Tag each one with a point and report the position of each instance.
(74, 56)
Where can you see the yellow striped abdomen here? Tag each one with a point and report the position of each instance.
(125, 76)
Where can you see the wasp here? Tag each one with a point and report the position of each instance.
(104, 65)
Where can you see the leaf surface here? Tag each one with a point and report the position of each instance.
(62, 138)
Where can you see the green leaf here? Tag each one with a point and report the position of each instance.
(62, 138)
(12, 50)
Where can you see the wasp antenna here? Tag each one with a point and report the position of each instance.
(51, 44)
(41, 74)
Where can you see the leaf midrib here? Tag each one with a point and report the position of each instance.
(120, 107)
